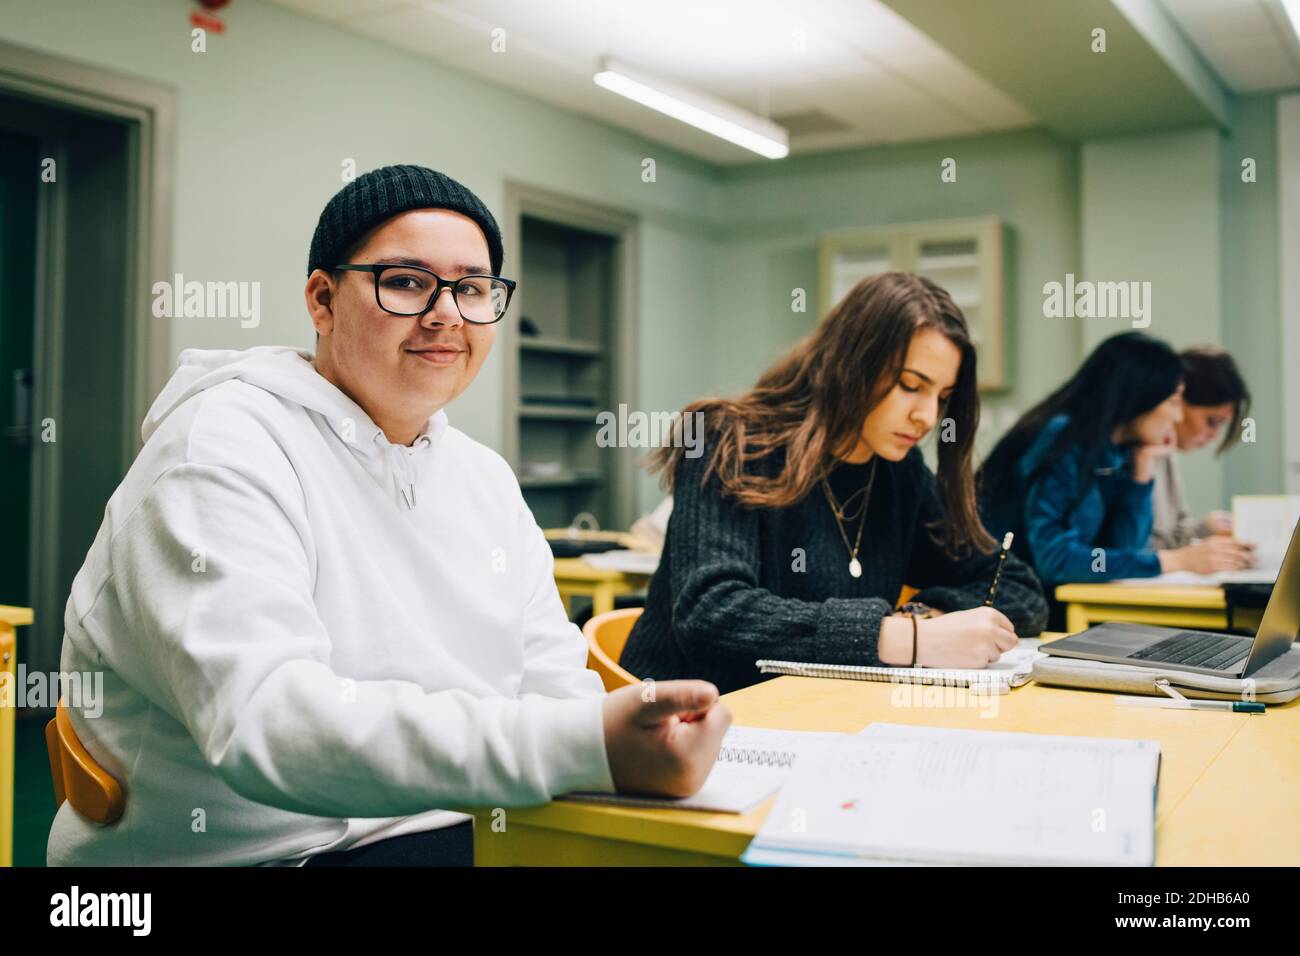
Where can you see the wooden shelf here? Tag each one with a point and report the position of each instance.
(562, 347)
(570, 479)
(575, 262)
(560, 413)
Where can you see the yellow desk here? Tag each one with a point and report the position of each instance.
(1226, 794)
(1167, 605)
(574, 577)
(10, 618)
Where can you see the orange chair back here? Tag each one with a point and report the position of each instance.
(91, 790)
(606, 635)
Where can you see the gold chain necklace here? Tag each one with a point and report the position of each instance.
(855, 566)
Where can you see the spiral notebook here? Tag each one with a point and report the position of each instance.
(1012, 669)
(751, 766)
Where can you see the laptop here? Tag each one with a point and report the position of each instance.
(1199, 652)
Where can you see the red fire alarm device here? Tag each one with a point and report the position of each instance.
(206, 20)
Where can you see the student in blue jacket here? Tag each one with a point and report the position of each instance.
(1073, 477)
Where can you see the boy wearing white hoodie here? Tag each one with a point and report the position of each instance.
(323, 613)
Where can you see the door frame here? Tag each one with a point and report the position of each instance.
(147, 110)
(523, 199)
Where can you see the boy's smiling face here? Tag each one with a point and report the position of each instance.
(401, 369)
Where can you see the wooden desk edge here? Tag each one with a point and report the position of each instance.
(15, 616)
(1168, 595)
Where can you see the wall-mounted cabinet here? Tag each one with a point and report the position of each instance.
(569, 348)
(964, 256)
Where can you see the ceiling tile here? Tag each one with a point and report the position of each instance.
(853, 60)
(1248, 43)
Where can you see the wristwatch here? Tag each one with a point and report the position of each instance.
(917, 608)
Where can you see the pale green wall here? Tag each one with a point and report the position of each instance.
(775, 214)
(1151, 214)
(1250, 285)
(268, 114)
(1161, 207)
(679, 348)
(1170, 208)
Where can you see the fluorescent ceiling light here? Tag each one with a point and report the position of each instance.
(708, 113)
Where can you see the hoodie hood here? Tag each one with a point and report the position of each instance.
(288, 373)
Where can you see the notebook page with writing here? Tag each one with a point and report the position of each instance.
(751, 766)
(933, 795)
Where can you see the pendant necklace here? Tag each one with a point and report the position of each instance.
(855, 566)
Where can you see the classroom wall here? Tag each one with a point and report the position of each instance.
(1171, 208)
(1168, 208)
(773, 216)
(1251, 303)
(267, 116)
(1150, 213)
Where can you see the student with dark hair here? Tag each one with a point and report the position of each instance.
(1215, 401)
(1073, 477)
(792, 536)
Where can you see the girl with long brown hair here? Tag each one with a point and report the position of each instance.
(811, 506)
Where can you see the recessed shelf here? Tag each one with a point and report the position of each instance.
(573, 260)
(559, 413)
(555, 346)
(568, 479)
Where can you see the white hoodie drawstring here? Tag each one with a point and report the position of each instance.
(404, 468)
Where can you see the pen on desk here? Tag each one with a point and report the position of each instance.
(1236, 706)
(997, 575)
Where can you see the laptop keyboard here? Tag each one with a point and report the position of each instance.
(1196, 650)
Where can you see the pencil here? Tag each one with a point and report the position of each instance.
(997, 575)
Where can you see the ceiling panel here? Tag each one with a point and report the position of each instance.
(1249, 44)
(855, 61)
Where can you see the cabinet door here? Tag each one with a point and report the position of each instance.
(845, 260)
(966, 260)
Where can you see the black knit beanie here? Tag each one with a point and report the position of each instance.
(383, 193)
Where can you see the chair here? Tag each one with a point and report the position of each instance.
(91, 790)
(606, 635)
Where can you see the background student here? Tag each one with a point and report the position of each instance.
(793, 534)
(1215, 400)
(1073, 477)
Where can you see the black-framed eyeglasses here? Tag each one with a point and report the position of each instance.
(412, 290)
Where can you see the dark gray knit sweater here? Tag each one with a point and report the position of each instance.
(739, 584)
